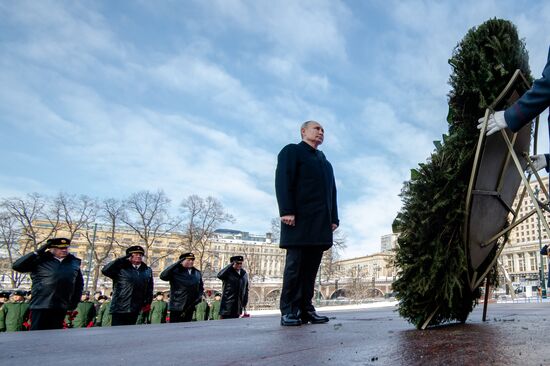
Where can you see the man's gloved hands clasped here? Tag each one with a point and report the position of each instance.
(495, 123)
(539, 162)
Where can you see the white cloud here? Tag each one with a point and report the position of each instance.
(295, 29)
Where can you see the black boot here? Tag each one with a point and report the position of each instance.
(290, 320)
(313, 318)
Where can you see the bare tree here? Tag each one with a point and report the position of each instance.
(276, 229)
(75, 212)
(253, 260)
(110, 212)
(328, 268)
(37, 217)
(10, 231)
(203, 217)
(146, 213)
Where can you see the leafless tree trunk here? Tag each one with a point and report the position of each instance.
(203, 217)
(31, 211)
(328, 269)
(147, 214)
(76, 212)
(10, 232)
(253, 261)
(109, 213)
(276, 229)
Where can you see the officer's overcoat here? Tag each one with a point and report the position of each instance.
(55, 284)
(234, 293)
(186, 288)
(132, 288)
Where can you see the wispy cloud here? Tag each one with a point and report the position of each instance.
(199, 97)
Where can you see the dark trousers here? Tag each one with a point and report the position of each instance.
(124, 319)
(301, 269)
(42, 319)
(180, 316)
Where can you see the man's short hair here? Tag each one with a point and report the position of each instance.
(305, 124)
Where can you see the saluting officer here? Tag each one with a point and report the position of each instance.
(132, 286)
(235, 288)
(186, 288)
(56, 283)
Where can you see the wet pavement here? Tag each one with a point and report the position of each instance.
(515, 334)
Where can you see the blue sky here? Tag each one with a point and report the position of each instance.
(198, 97)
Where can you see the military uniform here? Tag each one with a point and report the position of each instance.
(14, 314)
(186, 289)
(235, 290)
(215, 309)
(104, 318)
(85, 314)
(56, 284)
(132, 287)
(159, 309)
(202, 311)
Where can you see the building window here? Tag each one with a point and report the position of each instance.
(521, 262)
(532, 261)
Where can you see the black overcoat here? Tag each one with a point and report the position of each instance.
(305, 187)
(55, 284)
(186, 288)
(132, 288)
(234, 293)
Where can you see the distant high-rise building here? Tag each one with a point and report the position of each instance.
(388, 242)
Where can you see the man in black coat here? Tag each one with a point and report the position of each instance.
(235, 289)
(56, 283)
(132, 286)
(306, 195)
(186, 288)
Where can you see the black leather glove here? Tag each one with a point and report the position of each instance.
(43, 248)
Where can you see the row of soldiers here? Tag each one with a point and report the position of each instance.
(15, 311)
(57, 285)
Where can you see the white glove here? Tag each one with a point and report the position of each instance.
(539, 162)
(495, 123)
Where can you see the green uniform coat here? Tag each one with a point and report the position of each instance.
(104, 317)
(14, 314)
(202, 310)
(215, 310)
(158, 312)
(86, 314)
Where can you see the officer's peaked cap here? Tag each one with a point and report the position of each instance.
(135, 249)
(58, 242)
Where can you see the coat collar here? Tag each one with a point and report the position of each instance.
(307, 146)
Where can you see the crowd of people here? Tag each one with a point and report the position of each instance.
(57, 300)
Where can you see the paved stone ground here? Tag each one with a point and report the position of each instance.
(514, 334)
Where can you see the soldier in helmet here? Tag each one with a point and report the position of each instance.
(186, 288)
(56, 282)
(15, 313)
(132, 286)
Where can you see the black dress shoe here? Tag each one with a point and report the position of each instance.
(313, 318)
(290, 320)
